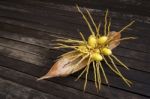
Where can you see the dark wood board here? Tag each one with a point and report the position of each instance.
(26, 34)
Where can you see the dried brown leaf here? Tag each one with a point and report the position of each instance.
(114, 39)
(66, 65)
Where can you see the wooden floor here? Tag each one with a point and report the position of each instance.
(26, 29)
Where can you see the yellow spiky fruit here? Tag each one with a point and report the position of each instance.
(97, 57)
(92, 41)
(106, 51)
(102, 40)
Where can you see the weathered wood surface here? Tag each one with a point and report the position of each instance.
(26, 29)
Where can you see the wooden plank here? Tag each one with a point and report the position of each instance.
(45, 86)
(44, 21)
(21, 55)
(43, 53)
(2, 95)
(50, 9)
(53, 14)
(33, 18)
(50, 54)
(109, 92)
(114, 82)
(28, 48)
(134, 7)
(130, 62)
(137, 41)
(77, 19)
(118, 5)
(128, 53)
(13, 90)
(137, 46)
(139, 57)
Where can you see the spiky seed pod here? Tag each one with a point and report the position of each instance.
(94, 50)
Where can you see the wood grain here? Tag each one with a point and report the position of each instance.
(26, 29)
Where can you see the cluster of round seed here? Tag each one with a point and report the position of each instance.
(97, 47)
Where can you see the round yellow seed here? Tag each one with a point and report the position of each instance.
(92, 41)
(102, 39)
(97, 57)
(106, 51)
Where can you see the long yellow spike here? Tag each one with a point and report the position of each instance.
(86, 56)
(110, 66)
(103, 72)
(69, 41)
(83, 38)
(105, 25)
(126, 26)
(126, 81)
(119, 61)
(96, 28)
(87, 71)
(125, 38)
(82, 72)
(86, 20)
(95, 75)
(60, 45)
(99, 76)
(108, 30)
